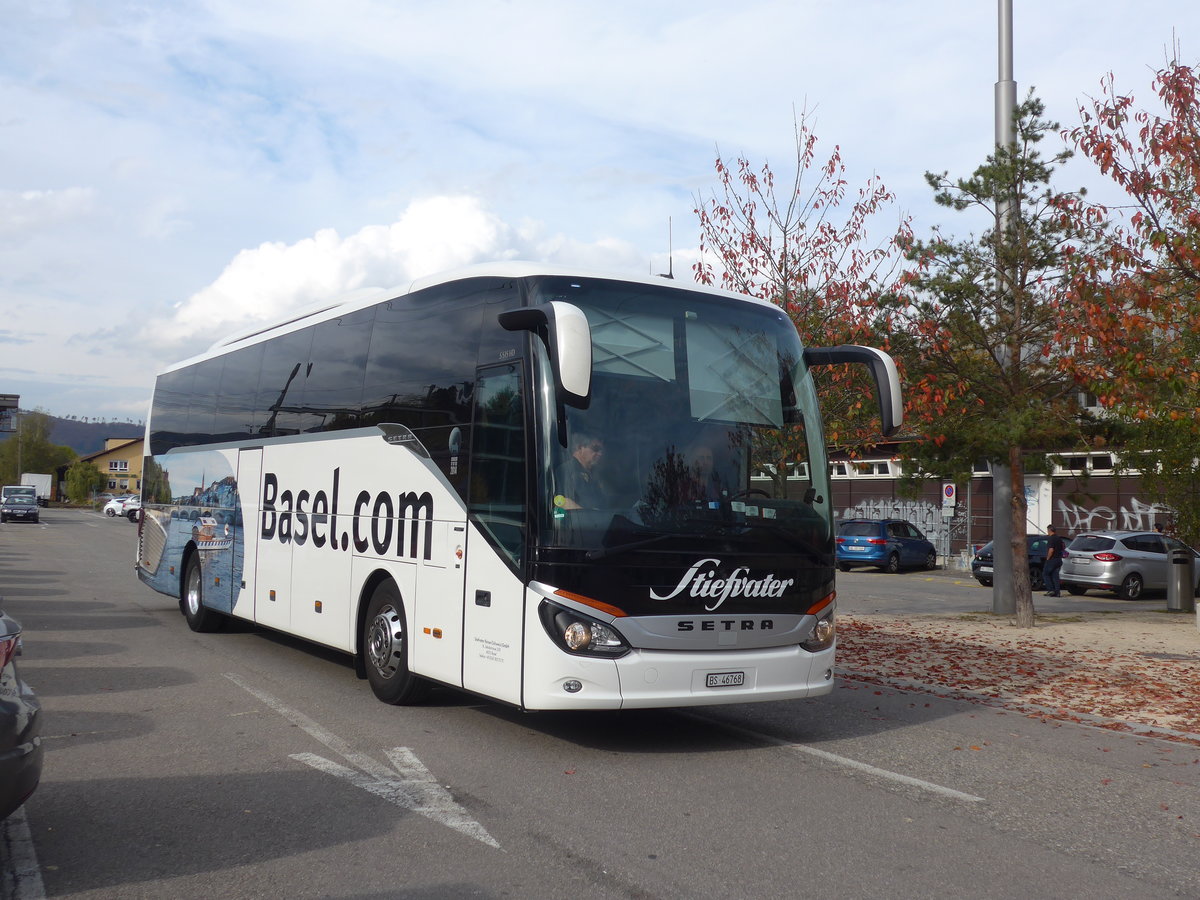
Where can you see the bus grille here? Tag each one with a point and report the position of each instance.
(154, 541)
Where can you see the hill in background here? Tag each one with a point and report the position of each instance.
(87, 437)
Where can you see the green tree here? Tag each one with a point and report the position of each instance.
(29, 449)
(977, 322)
(84, 479)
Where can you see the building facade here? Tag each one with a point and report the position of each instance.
(121, 461)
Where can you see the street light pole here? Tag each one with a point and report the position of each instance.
(1004, 601)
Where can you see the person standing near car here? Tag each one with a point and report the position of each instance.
(1055, 548)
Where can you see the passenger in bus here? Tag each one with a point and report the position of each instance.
(577, 479)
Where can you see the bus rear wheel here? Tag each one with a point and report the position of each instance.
(199, 618)
(385, 649)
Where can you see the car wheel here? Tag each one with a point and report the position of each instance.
(845, 567)
(986, 582)
(199, 617)
(385, 649)
(131, 515)
(893, 564)
(1075, 590)
(1035, 579)
(110, 513)
(931, 560)
(1131, 587)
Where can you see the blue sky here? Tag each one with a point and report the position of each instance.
(170, 172)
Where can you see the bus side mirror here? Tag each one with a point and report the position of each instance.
(883, 370)
(564, 329)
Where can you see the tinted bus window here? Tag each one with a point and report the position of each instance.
(497, 497)
(281, 384)
(421, 364)
(234, 419)
(172, 394)
(203, 408)
(333, 388)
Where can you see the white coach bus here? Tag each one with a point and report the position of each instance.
(530, 484)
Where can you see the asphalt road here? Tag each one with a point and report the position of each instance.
(245, 764)
(951, 590)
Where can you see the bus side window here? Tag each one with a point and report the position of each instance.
(497, 488)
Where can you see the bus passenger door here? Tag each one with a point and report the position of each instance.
(273, 556)
(245, 530)
(497, 537)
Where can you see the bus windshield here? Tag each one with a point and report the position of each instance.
(702, 430)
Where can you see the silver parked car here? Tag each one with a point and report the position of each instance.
(1128, 563)
(20, 725)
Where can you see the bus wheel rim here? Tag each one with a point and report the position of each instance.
(385, 641)
(193, 591)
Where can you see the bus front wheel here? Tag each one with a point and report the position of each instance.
(199, 618)
(385, 649)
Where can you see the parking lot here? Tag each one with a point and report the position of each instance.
(243, 764)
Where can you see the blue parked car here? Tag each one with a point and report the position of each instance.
(890, 544)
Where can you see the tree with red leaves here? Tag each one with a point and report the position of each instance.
(1140, 292)
(802, 245)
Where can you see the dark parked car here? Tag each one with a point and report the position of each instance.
(890, 544)
(981, 563)
(20, 725)
(1126, 562)
(19, 508)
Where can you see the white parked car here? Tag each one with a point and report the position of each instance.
(133, 505)
(118, 506)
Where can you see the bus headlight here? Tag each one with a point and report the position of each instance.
(823, 634)
(580, 635)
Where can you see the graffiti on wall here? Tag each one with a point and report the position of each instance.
(1136, 516)
(925, 515)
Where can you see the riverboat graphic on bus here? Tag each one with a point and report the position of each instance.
(193, 500)
(207, 537)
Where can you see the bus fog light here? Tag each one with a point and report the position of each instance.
(572, 686)
(578, 636)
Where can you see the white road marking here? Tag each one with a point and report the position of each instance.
(411, 785)
(846, 762)
(21, 876)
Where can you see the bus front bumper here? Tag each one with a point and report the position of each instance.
(645, 679)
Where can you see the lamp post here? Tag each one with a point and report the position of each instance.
(1004, 602)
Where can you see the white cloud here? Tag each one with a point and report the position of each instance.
(432, 235)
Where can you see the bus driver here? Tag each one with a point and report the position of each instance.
(576, 477)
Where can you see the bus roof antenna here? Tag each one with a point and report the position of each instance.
(670, 253)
